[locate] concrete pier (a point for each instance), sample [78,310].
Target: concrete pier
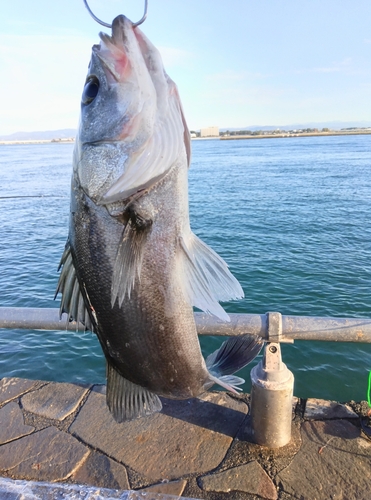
[63,434]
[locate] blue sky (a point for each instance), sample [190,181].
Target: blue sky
[236,63]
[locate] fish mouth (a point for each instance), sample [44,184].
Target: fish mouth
[114,49]
[119,38]
[119,26]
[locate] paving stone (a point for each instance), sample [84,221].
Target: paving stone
[319,409]
[12,423]
[100,470]
[11,388]
[47,455]
[249,478]
[56,400]
[333,462]
[170,488]
[186,437]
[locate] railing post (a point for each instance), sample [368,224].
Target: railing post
[272,392]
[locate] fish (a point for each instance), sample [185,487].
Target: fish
[132,269]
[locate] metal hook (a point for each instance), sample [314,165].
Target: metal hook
[110,25]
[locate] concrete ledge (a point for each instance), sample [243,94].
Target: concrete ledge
[319,409]
[17,490]
[199,448]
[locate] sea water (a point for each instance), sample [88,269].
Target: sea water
[290,216]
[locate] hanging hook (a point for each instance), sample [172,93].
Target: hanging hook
[110,25]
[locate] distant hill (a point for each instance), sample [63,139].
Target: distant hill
[40,135]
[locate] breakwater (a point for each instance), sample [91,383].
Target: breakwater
[200,448]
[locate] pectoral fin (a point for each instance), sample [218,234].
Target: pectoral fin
[129,256]
[207,277]
[128,401]
[72,302]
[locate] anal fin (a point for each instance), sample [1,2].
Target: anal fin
[128,401]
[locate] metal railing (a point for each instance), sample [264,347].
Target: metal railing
[272,382]
[287,329]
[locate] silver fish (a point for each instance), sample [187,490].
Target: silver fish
[132,268]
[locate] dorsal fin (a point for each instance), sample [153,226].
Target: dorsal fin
[72,301]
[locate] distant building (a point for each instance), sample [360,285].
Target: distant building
[210,132]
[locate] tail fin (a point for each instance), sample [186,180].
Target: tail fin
[234,354]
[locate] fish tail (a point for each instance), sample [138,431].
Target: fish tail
[234,354]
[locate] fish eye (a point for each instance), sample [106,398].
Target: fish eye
[90,90]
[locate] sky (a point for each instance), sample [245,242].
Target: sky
[237,63]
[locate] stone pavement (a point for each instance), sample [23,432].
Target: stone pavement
[63,434]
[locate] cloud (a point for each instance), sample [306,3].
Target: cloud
[335,67]
[233,76]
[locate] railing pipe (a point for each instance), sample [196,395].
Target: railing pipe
[293,327]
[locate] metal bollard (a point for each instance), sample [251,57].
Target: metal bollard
[271,395]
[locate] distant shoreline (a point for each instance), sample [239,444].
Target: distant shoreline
[37,141]
[222,138]
[301,134]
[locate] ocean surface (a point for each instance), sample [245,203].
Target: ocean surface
[290,216]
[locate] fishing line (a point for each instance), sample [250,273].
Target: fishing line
[368,395]
[31,196]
